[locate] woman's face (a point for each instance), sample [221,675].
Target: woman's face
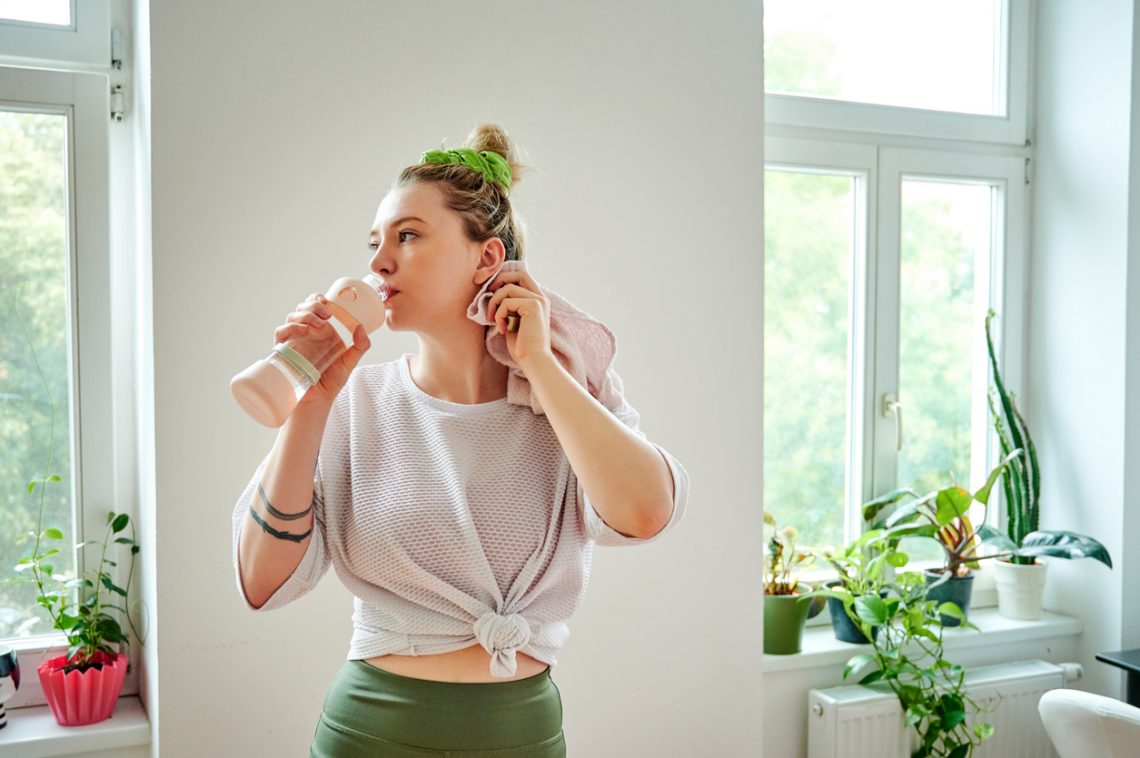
[422,253]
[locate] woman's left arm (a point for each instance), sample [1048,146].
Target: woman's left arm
[628,481]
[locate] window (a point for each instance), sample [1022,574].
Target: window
[55,252]
[953,70]
[65,35]
[53,12]
[883,253]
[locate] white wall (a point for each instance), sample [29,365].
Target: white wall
[1081,286]
[276,130]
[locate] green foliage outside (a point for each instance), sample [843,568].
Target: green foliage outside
[33,257]
[807,283]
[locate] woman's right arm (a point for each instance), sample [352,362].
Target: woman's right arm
[266,561]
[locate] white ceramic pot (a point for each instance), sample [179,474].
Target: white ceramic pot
[1019,589]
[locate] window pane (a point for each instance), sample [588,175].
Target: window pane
[34,259]
[934,55]
[37,11]
[809,238]
[946,240]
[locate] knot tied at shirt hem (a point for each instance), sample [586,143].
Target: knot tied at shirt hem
[502,636]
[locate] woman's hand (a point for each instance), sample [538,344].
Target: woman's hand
[310,320]
[517,292]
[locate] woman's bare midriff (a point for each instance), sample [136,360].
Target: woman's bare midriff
[471,664]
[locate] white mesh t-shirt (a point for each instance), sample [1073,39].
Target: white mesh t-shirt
[452,524]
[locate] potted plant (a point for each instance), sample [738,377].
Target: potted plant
[787,603]
[944,517]
[82,686]
[1020,574]
[861,569]
[907,657]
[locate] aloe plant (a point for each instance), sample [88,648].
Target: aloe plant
[1023,541]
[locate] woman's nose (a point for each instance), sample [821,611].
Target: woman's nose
[381,263]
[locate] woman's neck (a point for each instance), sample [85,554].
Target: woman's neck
[459,373]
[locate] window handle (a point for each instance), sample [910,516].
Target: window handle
[892,407]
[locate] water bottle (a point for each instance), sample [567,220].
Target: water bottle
[270,389]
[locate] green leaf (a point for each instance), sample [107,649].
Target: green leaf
[857,662]
[871,609]
[925,633]
[31,487]
[983,495]
[54,478]
[874,509]
[950,702]
[897,559]
[53,533]
[121,522]
[952,503]
[961,751]
[909,695]
[991,536]
[124,541]
[983,731]
[1063,544]
[874,676]
[952,610]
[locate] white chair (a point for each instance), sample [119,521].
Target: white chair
[1084,725]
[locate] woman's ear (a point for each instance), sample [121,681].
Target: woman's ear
[491,257]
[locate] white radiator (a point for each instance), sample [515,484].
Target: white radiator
[861,722]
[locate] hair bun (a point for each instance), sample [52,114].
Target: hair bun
[494,138]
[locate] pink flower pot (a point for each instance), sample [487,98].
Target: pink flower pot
[83,697]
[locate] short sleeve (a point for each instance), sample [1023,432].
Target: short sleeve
[314,563]
[601,532]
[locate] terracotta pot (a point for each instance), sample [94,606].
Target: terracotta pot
[1019,589]
[83,697]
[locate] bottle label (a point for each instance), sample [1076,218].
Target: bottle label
[299,362]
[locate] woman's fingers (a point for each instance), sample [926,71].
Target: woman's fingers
[285,331]
[513,291]
[307,317]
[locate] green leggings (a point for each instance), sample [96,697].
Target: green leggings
[369,713]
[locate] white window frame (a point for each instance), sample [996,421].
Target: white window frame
[1008,129]
[96,466]
[83,46]
[1006,278]
[860,162]
[873,343]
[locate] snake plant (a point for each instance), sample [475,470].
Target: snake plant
[1022,486]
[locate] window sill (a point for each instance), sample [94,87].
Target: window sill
[821,649]
[33,732]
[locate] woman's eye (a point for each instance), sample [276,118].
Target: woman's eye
[373,246]
[403,233]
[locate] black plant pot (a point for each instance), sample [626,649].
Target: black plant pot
[845,629]
[955,590]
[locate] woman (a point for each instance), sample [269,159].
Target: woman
[462,523]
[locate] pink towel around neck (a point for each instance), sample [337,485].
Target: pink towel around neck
[583,345]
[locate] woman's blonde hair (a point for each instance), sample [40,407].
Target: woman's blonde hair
[484,205]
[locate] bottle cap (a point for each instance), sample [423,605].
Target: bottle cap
[264,393]
[361,299]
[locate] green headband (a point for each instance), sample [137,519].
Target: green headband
[490,164]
